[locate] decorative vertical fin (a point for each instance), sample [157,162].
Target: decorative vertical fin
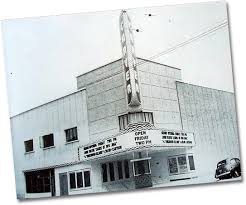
[129,60]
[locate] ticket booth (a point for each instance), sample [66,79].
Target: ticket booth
[142,172]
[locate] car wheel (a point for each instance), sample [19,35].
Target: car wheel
[236,174]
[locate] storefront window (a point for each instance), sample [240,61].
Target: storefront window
[79,179]
[119,168]
[111,171]
[114,171]
[72,180]
[104,173]
[173,165]
[39,181]
[181,164]
[126,167]
[87,178]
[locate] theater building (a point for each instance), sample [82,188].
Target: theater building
[131,124]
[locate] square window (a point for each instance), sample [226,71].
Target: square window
[28,145]
[48,140]
[71,134]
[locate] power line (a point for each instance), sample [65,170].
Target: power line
[184,43]
[191,40]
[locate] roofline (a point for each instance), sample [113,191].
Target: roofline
[178,81]
[98,67]
[77,91]
[158,63]
[85,88]
[120,59]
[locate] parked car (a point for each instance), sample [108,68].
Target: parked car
[228,168]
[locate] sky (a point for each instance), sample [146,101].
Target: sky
[43,55]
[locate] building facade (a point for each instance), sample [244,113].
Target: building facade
[131,124]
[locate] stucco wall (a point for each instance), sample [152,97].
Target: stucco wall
[106,96]
[159,94]
[211,115]
[54,117]
[106,99]
[160,167]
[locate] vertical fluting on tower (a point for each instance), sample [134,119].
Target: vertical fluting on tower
[129,60]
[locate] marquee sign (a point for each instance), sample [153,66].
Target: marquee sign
[135,140]
[129,60]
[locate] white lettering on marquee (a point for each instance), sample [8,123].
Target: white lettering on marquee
[135,140]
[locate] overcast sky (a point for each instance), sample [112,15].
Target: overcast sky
[43,55]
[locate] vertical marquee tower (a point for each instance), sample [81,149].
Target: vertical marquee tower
[129,60]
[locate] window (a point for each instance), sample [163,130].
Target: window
[191,162]
[48,140]
[119,169]
[79,179]
[173,165]
[72,180]
[114,171]
[39,181]
[87,178]
[104,173]
[28,145]
[223,162]
[125,120]
[111,171]
[141,167]
[126,168]
[181,164]
[71,134]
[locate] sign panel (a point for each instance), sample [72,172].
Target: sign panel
[134,140]
[129,60]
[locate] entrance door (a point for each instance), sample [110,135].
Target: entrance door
[63,184]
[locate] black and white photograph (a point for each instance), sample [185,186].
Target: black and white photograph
[121,100]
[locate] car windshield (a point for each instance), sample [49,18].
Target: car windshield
[221,163]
